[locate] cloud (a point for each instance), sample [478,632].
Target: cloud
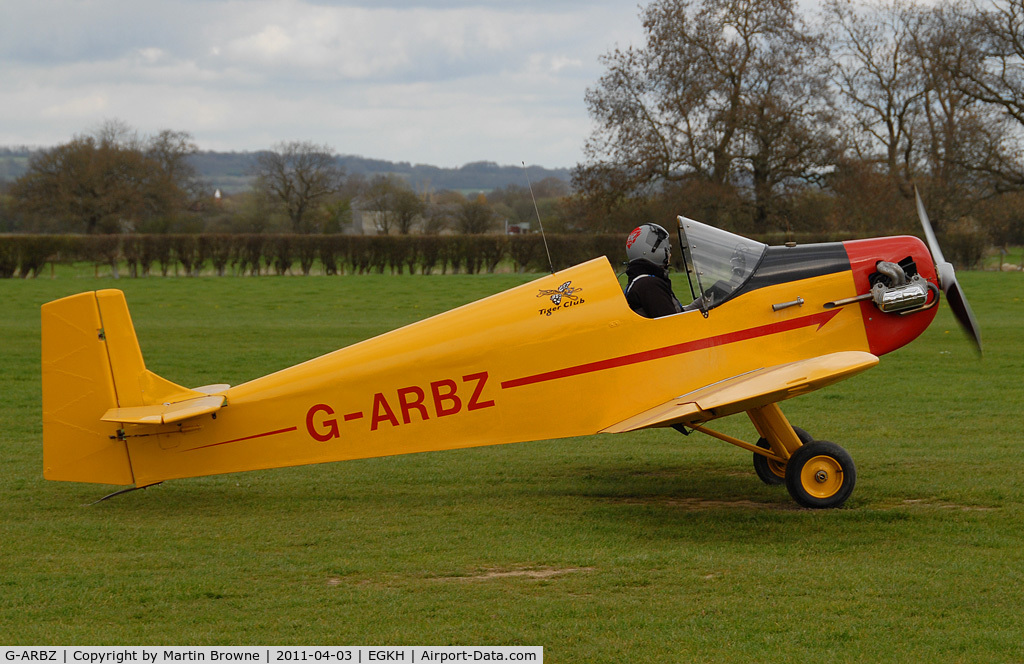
[446,82]
[360,43]
[86,106]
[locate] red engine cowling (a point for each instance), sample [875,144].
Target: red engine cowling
[888,331]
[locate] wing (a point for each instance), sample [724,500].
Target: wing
[750,390]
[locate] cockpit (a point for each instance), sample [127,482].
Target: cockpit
[718,263]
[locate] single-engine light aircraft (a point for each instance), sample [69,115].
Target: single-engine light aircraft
[561,356]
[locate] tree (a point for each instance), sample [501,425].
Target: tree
[880,80]
[300,176]
[475,216]
[408,207]
[396,204]
[516,202]
[997,77]
[725,91]
[989,69]
[902,72]
[8,217]
[967,145]
[442,211]
[173,150]
[109,182]
[786,135]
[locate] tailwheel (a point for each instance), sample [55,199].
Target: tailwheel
[820,475]
[770,471]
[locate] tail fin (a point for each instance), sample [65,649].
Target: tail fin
[78,387]
[92,364]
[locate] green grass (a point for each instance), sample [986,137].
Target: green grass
[1012,260]
[645,547]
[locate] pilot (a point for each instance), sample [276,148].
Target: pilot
[649,291]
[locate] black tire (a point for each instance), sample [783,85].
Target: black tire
[771,472]
[820,475]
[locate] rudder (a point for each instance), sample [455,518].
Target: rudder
[78,388]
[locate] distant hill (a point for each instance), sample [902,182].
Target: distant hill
[229,171]
[478,175]
[13,162]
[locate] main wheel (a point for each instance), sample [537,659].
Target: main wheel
[770,471]
[820,475]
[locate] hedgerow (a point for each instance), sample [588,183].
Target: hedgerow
[280,254]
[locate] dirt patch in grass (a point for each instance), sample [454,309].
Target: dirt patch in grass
[486,574]
[337,581]
[707,503]
[517,572]
[920,502]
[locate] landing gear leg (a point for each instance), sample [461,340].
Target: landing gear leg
[775,430]
[770,471]
[817,473]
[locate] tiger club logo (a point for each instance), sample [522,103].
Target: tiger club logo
[564,296]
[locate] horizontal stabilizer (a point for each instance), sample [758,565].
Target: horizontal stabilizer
[750,390]
[165,413]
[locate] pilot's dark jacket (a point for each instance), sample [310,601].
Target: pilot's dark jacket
[649,291]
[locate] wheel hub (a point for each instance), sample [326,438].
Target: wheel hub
[822,476]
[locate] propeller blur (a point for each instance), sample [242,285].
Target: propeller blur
[955,295]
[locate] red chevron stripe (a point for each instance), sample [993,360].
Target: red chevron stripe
[819,319]
[238,440]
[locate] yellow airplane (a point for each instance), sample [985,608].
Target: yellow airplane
[561,356]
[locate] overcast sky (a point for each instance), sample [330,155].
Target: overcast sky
[441,82]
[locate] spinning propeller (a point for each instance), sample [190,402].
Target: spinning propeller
[947,280]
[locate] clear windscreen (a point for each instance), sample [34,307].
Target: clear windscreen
[720,261]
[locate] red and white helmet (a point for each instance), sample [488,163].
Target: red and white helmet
[649,241]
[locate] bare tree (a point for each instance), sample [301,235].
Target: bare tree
[989,68]
[901,69]
[114,131]
[396,204]
[997,76]
[951,117]
[408,208]
[475,216]
[725,91]
[442,211]
[880,80]
[300,176]
[172,150]
[786,136]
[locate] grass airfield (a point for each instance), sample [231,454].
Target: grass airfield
[645,547]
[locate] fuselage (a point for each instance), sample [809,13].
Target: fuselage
[561,356]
